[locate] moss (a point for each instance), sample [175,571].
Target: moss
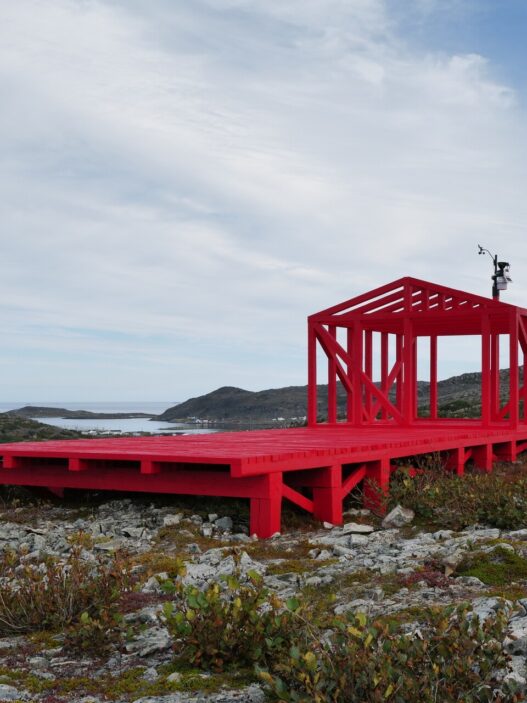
[128,685]
[512,593]
[44,640]
[263,550]
[159,562]
[25,679]
[413,613]
[497,568]
[176,538]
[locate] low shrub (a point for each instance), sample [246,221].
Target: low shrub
[450,658]
[497,499]
[60,596]
[237,624]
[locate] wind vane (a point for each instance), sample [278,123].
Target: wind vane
[501,277]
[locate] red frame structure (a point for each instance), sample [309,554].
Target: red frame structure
[400,313]
[316,467]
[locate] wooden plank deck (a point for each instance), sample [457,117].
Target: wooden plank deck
[314,467]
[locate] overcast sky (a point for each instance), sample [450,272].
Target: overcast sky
[183,182]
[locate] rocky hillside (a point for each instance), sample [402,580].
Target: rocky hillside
[14,428]
[459,395]
[230,403]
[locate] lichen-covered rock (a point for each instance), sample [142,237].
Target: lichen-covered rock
[398,517]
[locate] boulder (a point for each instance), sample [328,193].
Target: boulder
[398,517]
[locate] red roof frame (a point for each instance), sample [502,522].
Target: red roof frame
[406,309]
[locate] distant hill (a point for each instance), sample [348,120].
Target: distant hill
[41,411]
[229,403]
[14,428]
[457,396]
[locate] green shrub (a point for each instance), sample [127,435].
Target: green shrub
[95,634]
[59,596]
[452,658]
[498,499]
[237,625]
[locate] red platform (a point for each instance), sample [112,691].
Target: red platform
[313,467]
[317,466]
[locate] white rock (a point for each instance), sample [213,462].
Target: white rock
[398,517]
[135,532]
[172,520]
[151,586]
[112,546]
[206,529]
[156,639]
[340,551]
[357,528]
[517,673]
[10,693]
[150,674]
[486,607]
[470,581]
[357,540]
[483,532]
[452,561]
[442,534]
[516,640]
[363,512]
[224,524]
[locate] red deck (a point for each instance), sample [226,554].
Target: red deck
[316,467]
[313,467]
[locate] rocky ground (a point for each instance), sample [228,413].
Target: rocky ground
[389,568]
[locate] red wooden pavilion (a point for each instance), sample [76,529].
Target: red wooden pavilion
[401,313]
[317,466]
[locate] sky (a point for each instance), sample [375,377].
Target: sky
[183,182]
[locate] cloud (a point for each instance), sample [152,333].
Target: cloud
[184,182]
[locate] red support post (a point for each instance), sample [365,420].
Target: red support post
[327,494]
[483,457]
[514,395]
[408,385]
[399,386]
[456,460]
[433,377]
[495,401]
[485,370]
[368,369]
[332,382]
[357,368]
[377,484]
[266,509]
[384,369]
[506,451]
[349,397]
[414,377]
[312,410]
[524,388]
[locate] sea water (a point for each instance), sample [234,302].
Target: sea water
[140,424]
